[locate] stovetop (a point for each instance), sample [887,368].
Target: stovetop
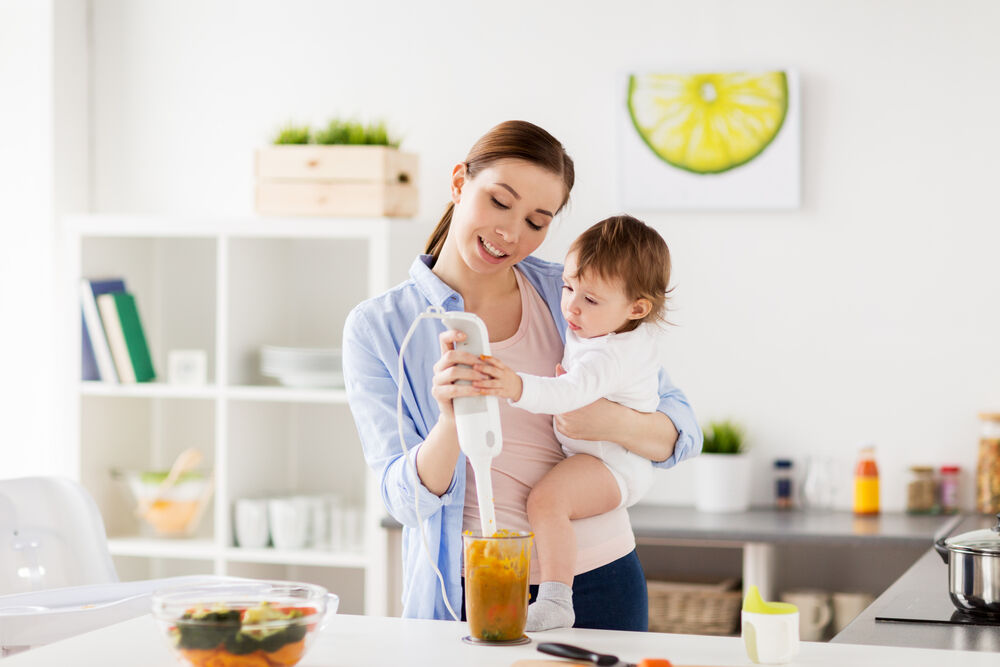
[929,608]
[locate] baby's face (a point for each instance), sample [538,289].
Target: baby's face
[591,305]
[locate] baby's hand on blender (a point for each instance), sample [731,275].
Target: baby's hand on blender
[504,383]
[452,367]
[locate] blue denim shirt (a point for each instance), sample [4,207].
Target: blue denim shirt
[373,334]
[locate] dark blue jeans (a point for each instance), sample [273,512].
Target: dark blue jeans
[612,597]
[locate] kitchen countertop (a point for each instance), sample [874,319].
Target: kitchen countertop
[372,640]
[772,526]
[928,576]
[785,526]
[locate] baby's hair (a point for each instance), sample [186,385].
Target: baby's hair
[625,248]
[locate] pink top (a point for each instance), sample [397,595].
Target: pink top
[530,447]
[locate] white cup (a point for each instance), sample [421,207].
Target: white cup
[814,612]
[336,527]
[846,606]
[353,529]
[770,639]
[319,522]
[289,519]
[250,523]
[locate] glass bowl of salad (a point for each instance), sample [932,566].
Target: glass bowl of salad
[243,623]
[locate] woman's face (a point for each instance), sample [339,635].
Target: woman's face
[503,213]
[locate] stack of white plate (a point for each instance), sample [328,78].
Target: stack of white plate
[302,366]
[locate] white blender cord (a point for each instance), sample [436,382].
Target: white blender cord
[432,312]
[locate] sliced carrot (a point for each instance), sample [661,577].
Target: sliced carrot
[225,659]
[287,655]
[198,657]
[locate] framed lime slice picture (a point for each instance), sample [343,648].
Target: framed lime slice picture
[721,139]
[708,123]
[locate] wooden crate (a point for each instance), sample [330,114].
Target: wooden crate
[364,181]
[336,163]
[336,199]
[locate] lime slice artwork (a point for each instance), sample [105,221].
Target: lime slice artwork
[708,123]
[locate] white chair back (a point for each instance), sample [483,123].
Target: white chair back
[51,536]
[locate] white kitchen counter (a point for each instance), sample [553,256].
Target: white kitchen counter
[355,641]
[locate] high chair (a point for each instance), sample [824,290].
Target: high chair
[56,575]
[51,536]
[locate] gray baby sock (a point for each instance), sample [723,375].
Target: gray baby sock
[552,608]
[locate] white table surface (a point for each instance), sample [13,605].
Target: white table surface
[353,641]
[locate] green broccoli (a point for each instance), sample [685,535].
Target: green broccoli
[256,633]
[206,629]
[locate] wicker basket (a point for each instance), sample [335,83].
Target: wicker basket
[695,608]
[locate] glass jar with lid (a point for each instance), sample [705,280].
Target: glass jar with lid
[920,490]
[988,464]
[948,488]
[783,483]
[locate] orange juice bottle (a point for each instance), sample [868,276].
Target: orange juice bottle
[866,482]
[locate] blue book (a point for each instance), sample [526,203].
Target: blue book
[94,328]
[88,362]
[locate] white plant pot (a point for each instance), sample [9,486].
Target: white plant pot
[722,482]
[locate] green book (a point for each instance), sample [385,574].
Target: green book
[125,337]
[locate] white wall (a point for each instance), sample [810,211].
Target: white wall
[869,313]
[43,174]
[26,225]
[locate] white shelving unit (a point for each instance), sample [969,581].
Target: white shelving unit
[229,286]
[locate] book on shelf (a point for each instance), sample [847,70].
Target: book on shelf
[88,363]
[125,337]
[96,355]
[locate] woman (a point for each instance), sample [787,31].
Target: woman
[504,197]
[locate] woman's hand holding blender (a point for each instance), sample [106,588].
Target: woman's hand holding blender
[439,452]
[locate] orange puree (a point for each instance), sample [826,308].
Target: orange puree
[496,585]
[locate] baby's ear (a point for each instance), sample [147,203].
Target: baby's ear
[640,308]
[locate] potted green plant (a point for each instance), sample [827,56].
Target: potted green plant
[292,135]
[346,168]
[723,469]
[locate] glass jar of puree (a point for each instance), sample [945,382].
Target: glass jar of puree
[496,585]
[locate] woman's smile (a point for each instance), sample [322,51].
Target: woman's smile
[492,252]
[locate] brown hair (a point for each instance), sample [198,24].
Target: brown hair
[515,139]
[625,248]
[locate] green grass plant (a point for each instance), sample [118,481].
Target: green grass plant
[354,133]
[293,134]
[723,437]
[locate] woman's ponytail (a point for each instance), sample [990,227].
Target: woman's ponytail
[440,233]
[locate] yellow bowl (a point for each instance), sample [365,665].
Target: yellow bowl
[178,510]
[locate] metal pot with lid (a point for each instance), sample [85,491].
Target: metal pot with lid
[973,560]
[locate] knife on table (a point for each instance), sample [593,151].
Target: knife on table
[599,659]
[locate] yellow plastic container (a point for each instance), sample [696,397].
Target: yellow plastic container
[866,491]
[770,630]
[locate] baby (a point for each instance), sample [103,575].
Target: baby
[614,291]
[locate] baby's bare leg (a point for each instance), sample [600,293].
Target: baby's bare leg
[578,487]
[575,488]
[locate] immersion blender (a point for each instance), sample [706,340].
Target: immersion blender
[477,418]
